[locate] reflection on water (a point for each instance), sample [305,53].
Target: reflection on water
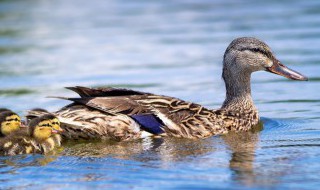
[173,48]
[21,161]
[163,151]
[243,150]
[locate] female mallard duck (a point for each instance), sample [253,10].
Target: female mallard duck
[9,121]
[123,114]
[40,138]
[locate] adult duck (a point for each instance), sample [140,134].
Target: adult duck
[124,114]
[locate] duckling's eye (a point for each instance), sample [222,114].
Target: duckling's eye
[13,119]
[45,125]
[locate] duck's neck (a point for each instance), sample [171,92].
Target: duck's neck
[238,92]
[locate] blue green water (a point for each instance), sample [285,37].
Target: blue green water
[173,48]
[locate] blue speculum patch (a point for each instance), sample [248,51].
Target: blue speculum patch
[149,123]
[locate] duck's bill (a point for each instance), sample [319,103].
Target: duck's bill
[280,69]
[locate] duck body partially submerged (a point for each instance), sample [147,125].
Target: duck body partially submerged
[123,114]
[125,117]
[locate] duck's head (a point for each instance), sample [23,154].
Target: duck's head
[246,55]
[10,122]
[43,127]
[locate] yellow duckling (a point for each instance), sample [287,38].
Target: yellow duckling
[55,124]
[40,138]
[9,121]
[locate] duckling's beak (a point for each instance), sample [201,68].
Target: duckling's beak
[280,69]
[57,130]
[23,125]
[60,130]
[53,131]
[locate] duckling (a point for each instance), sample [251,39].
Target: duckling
[10,122]
[39,138]
[55,123]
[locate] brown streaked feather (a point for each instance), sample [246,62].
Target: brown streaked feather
[83,122]
[181,118]
[103,92]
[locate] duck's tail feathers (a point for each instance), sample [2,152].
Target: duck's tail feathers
[34,113]
[60,97]
[82,91]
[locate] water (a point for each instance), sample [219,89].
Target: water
[173,48]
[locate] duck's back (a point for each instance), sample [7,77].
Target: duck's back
[125,114]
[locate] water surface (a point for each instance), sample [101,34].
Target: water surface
[173,48]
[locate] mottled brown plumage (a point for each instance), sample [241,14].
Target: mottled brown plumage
[109,113]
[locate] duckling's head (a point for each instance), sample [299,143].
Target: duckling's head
[41,128]
[38,110]
[10,122]
[246,55]
[4,109]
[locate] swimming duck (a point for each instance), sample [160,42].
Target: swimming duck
[9,121]
[41,137]
[124,114]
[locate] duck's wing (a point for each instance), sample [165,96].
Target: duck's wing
[103,92]
[111,105]
[131,102]
[154,113]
